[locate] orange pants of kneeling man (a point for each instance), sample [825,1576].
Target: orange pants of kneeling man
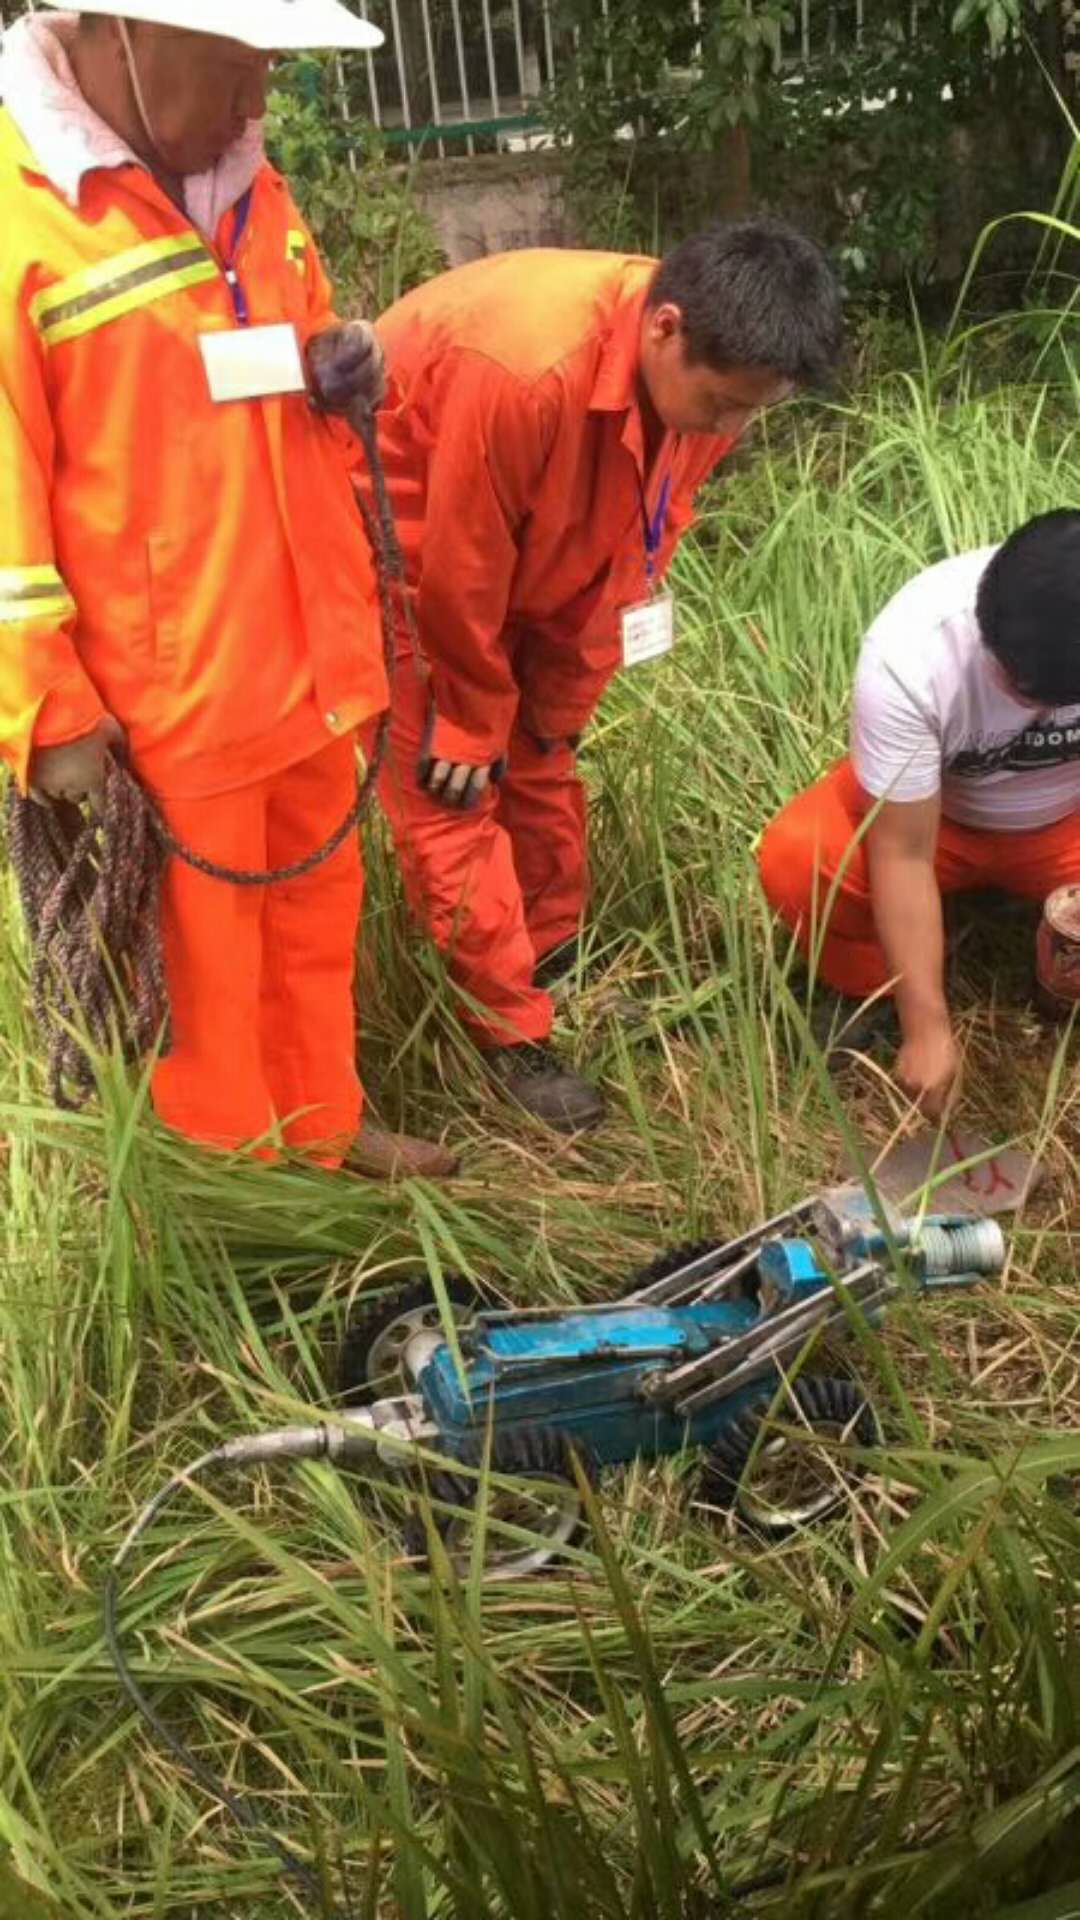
[810,849]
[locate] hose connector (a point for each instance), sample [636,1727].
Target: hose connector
[351,1440]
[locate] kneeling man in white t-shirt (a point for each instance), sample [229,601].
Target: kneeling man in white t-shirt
[966,735]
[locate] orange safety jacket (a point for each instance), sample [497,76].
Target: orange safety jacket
[514,450]
[197,569]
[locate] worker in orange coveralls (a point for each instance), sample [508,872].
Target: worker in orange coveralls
[182,567]
[550,417]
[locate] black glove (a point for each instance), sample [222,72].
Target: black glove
[548,745]
[345,366]
[458,783]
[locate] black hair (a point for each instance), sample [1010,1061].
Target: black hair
[1028,607]
[755,293]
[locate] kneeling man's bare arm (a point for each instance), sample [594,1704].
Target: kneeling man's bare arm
[901,847]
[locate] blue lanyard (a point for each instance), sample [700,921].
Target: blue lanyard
[653,530]
[239,297]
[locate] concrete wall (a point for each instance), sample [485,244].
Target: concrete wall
[494,203]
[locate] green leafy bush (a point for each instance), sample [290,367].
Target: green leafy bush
[362,211]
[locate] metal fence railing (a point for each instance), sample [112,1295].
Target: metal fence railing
[457,74]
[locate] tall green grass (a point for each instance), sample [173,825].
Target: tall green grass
[883,1718]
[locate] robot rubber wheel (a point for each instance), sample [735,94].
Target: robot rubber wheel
[546,1501]
[380,1330]
[790,1482]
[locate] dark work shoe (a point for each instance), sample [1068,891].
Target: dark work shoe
[556,966]
[537,1079]
[840,1024]
[558,972]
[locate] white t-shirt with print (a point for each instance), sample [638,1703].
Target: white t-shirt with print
[930,714]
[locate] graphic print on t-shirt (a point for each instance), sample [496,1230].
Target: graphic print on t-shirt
[1039,745]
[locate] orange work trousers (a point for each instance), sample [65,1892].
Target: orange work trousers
[261,978]
[498,885]
[811,842]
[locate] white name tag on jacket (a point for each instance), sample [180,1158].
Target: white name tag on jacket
[648,629]
[247,363]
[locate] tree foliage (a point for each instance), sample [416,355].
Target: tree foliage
[651,95]
[362,211]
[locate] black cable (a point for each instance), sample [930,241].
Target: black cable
[338,1443]
[226,1455]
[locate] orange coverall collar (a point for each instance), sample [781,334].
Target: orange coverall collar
[615,389]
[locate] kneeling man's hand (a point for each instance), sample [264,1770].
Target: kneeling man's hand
[928,1067]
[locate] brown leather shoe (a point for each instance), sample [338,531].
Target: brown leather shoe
[380,1155]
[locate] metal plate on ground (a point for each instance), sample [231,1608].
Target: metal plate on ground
[1000,1182]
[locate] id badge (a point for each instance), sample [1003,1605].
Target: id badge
[648,629]
[247,363]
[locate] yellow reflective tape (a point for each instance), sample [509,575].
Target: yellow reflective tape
[48,606]
[85,314]
[113,287]
[113,307]
[104,275]
[295,241]
[13,580]
[33,593]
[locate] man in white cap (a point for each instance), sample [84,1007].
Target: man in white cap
[182,569]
